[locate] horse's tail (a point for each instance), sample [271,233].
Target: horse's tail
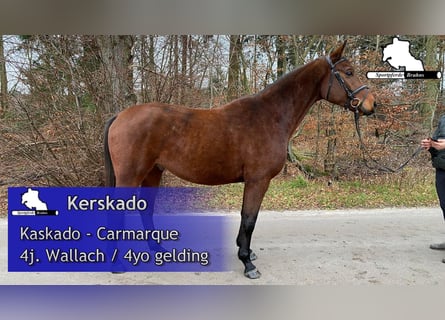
[110,178]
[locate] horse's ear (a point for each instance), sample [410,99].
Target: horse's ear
[337,53]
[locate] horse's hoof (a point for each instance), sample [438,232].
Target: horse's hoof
[253,256]
[118,268]
[253,274]
[117,272]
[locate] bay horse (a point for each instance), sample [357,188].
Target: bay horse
[243,141]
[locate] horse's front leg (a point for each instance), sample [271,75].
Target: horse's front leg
[253,196]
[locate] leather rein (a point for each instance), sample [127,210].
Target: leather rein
[354,104]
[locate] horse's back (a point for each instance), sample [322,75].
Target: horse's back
[206,146]
[194,144]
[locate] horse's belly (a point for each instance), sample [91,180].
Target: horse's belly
[209,180]
[209,174]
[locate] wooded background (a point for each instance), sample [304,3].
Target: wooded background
[57,92]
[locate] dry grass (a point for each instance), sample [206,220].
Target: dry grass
[299,194]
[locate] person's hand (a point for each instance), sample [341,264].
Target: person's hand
[439,144]
[426,143]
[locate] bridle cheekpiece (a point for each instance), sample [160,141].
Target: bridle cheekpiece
[353,102]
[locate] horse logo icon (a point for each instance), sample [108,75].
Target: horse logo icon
[399,56]
[404,65]
[32,201]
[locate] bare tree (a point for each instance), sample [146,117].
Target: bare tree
[234,82]
[431,98]
[3,80]
[116,54]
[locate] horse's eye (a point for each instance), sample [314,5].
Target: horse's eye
[349,73]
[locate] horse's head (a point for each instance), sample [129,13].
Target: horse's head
[342,87]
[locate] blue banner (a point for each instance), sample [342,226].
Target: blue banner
[112,229]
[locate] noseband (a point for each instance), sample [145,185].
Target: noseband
[353,102]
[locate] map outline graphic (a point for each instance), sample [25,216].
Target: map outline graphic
[399,56]
[32,201]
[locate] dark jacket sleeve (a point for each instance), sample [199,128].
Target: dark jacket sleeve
[434,152]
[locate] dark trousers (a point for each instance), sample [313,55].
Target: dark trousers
[440,188]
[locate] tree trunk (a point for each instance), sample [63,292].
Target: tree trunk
[117,59]
[281,56]
[234,84]
[3,80]
[148,68]
[330,161]
[184,46]
[428,107]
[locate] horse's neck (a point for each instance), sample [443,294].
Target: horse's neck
[290,98]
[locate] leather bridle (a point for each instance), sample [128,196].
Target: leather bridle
[353,103]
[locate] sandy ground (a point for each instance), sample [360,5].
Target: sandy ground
[340,247]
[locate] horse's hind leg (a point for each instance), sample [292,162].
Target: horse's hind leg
[253,196]
[152,179]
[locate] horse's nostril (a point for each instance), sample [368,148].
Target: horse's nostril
[375,104]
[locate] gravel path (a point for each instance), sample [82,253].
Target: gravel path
[340,247]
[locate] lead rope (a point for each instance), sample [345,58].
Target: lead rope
[366,152]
